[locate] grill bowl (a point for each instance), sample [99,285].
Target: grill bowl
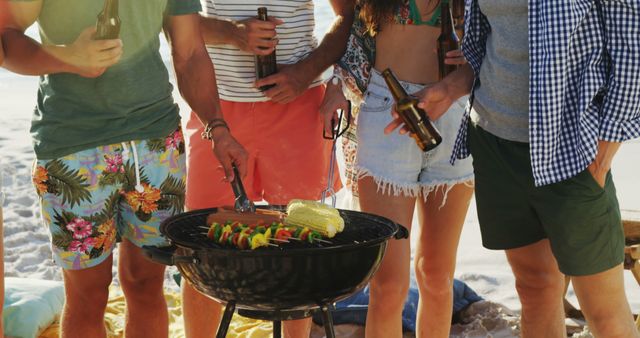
[293,277]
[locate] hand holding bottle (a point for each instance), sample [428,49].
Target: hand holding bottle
[455,57]
[434,100]
[89,57]
[256,36]
[437,99]
[287,84]
[415,118]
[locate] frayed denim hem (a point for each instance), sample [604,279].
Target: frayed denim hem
[413,189]
[446,186]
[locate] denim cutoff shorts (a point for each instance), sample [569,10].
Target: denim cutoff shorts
[394,161]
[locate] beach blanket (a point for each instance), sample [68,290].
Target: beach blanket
[353,310]
[240,327]
[114,320]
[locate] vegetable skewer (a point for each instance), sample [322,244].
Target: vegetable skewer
[254,236]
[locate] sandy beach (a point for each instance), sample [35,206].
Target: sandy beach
[27,252]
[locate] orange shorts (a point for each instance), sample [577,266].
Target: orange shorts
[288,158]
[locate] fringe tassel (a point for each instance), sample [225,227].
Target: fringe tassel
[385,186]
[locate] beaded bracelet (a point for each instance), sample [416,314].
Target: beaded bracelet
[207,133]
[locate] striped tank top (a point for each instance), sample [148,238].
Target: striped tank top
[235,69]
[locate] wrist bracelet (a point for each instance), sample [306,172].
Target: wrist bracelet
[335,80]
[207,133]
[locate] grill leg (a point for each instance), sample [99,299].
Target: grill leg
[277,329]
[226,319]
[327,321]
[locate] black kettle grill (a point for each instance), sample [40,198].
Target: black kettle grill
[277,283]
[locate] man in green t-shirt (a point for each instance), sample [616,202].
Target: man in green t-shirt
[109,146]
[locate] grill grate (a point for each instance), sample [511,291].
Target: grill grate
[360,229]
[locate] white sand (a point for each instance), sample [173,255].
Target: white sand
[26,241]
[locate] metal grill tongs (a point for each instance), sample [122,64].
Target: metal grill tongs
[242,203]
[336,132]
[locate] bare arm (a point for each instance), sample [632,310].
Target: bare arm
[292,81]
[334,43]
[197,85]
[249,35]
[194,71]
[23,55]
[218,32]
[601,165]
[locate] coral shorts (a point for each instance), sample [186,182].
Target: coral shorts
[288,158]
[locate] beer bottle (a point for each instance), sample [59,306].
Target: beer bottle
[457,12]
[108,24]
[447,41]
[265,64]
[422,130]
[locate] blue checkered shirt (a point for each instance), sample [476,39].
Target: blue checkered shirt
[584,82]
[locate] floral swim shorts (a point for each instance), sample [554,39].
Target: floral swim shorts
[126,189]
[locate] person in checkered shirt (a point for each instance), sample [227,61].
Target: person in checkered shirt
[556,90]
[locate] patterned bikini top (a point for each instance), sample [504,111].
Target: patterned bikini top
[409,14]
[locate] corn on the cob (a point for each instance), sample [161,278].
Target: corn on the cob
[316,216]
[317,206]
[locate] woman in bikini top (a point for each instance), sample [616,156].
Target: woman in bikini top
[401,35]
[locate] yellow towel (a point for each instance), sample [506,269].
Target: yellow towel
[114,320]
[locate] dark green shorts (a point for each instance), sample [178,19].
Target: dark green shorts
[580,219]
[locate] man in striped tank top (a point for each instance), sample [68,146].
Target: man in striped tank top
[281,128]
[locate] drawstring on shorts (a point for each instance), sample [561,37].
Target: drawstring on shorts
[136,162]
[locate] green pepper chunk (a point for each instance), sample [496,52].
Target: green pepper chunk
[217,232]
[312,237]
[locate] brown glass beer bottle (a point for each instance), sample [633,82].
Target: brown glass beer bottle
[265,64]
[447,41]
[108,24]
[457,13]
[422,130]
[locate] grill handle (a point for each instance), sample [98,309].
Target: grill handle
[166,255]
[402,232]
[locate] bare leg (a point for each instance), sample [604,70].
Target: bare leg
[540,285]
[142,282]
[297,328]
[202,315]
[435,258]
[86,294]
[604,303]
[389,286]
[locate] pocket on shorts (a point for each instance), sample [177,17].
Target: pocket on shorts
[376,103]
[588,180]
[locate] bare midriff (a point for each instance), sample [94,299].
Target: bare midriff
[410,52]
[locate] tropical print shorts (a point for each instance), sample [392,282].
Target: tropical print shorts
[90,197]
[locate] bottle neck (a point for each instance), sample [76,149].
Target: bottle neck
[457,8]
[394,85]
[446,21]
[262,14]
[110,8]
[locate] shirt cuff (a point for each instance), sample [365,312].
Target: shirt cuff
[619,130]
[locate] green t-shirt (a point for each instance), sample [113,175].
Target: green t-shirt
[132,100]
